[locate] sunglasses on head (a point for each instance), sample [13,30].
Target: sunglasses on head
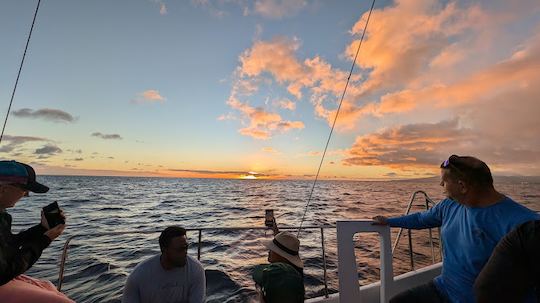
[451,161]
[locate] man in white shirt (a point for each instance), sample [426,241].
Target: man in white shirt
[171,277]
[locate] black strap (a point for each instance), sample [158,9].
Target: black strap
[287,250]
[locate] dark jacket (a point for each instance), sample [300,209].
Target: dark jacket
[19,252]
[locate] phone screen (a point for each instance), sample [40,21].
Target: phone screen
[52,214]
[268,218]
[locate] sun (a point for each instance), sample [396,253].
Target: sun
[248,177]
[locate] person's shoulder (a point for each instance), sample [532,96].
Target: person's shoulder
[145,265]
[195,264]
[448,203]
[509,204]
[193,261]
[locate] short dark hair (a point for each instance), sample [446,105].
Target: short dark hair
[469,169]
[169,233]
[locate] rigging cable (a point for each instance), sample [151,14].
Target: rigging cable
[20,69]
[335,119]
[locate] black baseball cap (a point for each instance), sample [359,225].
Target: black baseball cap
[14,172]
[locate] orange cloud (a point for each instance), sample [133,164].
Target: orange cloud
[270,150]
[410,145]
[286,104]
[262,123]
[149,96]
[518,72]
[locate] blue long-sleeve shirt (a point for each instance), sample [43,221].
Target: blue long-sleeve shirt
[469,235]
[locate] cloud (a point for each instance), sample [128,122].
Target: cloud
[270,150]
[275,60]
[225,117]
[213,8]
[286,104]
[277,9]
[423,144]
[337,152]
[49,114]
[12,143]
[107,136]
[149,96]
[75,159]
[47,151]
[426,145]
[517,73]
[162,9]
[262,124]
[270,9]
[222,173]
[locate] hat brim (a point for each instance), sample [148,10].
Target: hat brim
[295,260]
[36,187]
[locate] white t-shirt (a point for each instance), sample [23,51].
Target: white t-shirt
[151,283]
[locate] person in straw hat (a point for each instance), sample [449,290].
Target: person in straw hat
[283,279]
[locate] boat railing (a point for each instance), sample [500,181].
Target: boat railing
[428,203]
[65,250]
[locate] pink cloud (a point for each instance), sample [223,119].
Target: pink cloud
[262,124]
[149,96]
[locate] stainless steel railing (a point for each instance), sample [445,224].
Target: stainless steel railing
[65,250]
[428,202]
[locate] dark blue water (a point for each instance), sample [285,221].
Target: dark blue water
[98,264]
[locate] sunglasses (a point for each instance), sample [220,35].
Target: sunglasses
[446,163]
[451,161]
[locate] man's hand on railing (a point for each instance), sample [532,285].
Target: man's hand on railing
[379,220]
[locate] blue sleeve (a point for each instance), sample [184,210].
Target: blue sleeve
[427,219]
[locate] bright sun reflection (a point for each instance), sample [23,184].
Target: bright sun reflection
[248,177]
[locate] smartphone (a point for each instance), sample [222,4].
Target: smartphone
[52,214]
[269,217]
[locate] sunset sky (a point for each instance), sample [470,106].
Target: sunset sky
[236,88]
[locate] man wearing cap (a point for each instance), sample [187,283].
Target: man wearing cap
[473,219]
[20,251]
[283,279]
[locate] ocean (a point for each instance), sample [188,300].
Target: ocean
[117,221]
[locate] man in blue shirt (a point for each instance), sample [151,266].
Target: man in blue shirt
[473,219]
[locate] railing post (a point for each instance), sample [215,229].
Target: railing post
[63,259]
[324,264]
[411,256]
[347,267]
[199,246]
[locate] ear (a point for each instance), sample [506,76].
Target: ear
[463,187]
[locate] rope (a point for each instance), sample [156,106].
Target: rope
[335,119]
[20,69]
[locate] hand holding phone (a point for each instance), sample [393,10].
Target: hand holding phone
[269,218]
[53,215]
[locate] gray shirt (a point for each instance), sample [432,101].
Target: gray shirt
[151,283]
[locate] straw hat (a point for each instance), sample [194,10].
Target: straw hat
[286,245]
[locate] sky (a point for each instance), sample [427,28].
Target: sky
[250,89]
